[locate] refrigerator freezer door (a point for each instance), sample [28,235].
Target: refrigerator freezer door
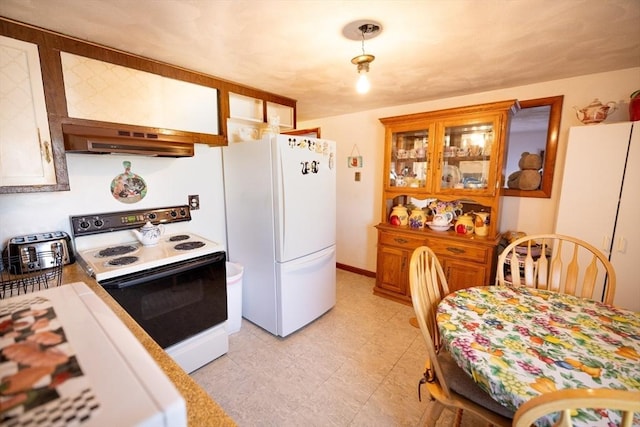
[307,289]
[305,195]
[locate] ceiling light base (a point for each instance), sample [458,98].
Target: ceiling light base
[366,28]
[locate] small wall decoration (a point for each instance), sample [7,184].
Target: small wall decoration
[128,187]
[355,159]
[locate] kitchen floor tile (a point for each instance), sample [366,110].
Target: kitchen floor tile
[357,365]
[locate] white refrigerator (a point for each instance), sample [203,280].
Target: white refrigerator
[280,196]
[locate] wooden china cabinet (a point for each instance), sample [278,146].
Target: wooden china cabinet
[453,155]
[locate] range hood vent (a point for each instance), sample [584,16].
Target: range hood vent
[99,140]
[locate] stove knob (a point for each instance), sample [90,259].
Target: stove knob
[152,216]
[173,214]
[183,212]
[98,223]
[84,224]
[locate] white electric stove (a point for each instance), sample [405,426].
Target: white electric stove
[175,289]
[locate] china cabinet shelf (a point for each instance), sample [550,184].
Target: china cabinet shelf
[448,155]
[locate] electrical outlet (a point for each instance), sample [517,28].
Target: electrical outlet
[194,202]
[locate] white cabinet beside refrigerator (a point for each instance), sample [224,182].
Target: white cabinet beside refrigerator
[599,199]
[281,227]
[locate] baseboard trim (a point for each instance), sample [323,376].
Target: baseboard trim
[356,270]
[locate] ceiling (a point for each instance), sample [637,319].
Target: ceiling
[428,49]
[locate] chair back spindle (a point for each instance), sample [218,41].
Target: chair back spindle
[564,264]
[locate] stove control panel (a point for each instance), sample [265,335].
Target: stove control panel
[84,225]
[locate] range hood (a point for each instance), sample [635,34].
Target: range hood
[111,140]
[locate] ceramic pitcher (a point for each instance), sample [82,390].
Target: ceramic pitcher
[481,223]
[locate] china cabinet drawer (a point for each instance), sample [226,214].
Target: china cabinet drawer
[453,249]
[400,240]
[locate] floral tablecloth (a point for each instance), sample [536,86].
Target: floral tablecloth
[517,343]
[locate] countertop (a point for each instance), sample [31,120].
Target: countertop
[202,411]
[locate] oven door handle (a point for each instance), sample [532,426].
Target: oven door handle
[160,272]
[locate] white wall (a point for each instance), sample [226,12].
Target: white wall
[169,182]
[359,203]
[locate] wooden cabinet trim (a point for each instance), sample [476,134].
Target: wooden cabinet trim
[50,44]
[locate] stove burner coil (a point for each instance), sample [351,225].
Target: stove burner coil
[116,250]
[187,246]
[178,238]
[123,260]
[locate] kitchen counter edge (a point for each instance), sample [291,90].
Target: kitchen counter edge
[202,410]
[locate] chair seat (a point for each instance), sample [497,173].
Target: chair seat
[464,385]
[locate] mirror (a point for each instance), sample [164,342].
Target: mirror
[534,129]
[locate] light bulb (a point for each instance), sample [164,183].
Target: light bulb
[363,84]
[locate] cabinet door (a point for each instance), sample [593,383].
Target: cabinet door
[591,183]
[393,264]
[625,251]
[467,158]
[462,274]
[408,159]
[99,90]
[26,157]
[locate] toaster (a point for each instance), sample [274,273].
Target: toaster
[35,252]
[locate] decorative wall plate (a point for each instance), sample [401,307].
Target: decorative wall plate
[128,187]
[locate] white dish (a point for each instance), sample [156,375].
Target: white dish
[438,227]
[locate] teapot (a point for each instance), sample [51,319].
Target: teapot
[595,112]
[149,234]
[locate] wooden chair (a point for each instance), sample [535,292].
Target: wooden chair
[446,383]
[558,267]
[567,400]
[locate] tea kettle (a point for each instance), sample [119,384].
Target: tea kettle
[595,112]
[149,234]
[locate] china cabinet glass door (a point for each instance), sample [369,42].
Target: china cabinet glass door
[409,159]
[465,157]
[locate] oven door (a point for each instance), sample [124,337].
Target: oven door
[177,301]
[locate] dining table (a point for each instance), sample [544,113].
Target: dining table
[519,342]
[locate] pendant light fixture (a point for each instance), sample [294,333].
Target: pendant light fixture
[367,30]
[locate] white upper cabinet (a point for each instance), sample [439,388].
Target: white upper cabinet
[98,90]
[283,112]
[26,156]
[245,108]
